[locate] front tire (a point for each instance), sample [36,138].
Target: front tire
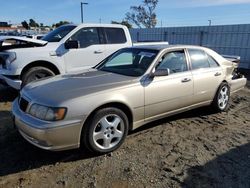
[222,97]
[106,130]
[36,73]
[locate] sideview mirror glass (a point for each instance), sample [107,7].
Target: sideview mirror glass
[161,72]
[71,44]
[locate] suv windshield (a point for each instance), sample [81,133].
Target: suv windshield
[129,61]
[59,33]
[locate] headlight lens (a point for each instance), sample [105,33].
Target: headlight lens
[11,58]
[7,58]
[47,113]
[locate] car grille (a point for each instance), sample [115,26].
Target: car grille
[2,62]
[23,104]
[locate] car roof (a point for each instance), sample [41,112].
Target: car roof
[165,46]
[96,25]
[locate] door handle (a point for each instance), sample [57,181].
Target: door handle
[186,80]
[98,51]
[217,74]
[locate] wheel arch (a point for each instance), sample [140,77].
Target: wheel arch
[40,63]
[223,81]
[118,105]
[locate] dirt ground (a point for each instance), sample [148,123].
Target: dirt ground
[193,149]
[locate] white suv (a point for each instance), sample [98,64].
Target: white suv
[67,49]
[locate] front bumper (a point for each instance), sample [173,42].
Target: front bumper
[16,84]
[11,78]
[54,136]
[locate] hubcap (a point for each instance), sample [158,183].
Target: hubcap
[108,131]
[223,97]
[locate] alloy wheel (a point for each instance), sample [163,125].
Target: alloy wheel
[223,97]
[108,132]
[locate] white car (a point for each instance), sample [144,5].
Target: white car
[67,49]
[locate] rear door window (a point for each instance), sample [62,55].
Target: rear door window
[198,59]
[212,62]
[115,35]
[87,37]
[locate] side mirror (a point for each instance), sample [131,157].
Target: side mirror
[161,72]
[71,44]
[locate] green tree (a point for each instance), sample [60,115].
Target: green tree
[143,15]
[25,24]
[33,23]
[124,22]
[60,24]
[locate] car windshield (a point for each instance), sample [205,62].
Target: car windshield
[129,61]
[58,34]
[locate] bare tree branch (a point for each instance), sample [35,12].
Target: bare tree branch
[143,15]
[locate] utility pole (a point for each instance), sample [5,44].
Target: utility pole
[210,22]
[82,3]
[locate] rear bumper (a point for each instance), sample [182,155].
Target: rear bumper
[238,84]
[16,84]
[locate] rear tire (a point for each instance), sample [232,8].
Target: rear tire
[36,73]
[221,99]
[105,131]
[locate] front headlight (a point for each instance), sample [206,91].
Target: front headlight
[7,58]
[47,113]
[11,57]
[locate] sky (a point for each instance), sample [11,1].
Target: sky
[169,12]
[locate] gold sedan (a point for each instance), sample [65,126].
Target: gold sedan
[133,86]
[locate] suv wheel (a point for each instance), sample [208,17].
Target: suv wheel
[36,73]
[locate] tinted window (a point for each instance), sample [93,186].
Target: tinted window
[86,37]
[129,61]
[125,58]
[174,61]
[59,33]
[212,62]
[115,35]
[198,59]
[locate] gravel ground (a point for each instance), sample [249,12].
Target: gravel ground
[194,149]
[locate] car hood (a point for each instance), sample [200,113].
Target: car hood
[11,42]
[61,88]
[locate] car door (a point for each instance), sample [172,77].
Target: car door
[207,75]
[91,50]
[169,93]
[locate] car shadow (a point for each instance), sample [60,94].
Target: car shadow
[7,94]
[231,169]
[18,155]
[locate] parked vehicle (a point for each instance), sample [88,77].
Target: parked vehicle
[37,36]
[134,86]
[65,50]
